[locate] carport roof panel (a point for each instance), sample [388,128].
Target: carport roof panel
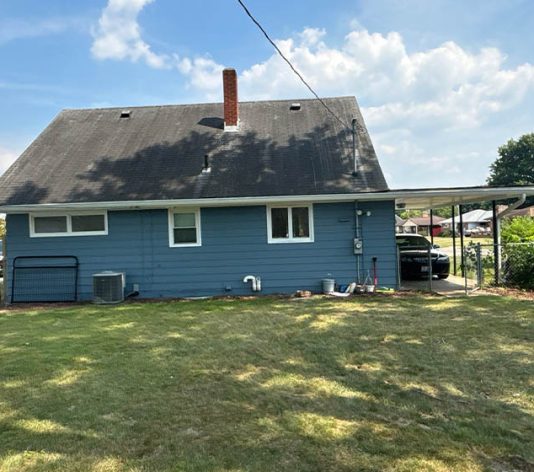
[442,197]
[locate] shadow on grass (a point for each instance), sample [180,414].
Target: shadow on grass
[268,385]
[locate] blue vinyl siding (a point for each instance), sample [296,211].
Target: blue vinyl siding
[234,244]
[378,232]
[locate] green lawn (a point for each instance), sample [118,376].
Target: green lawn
[379,383]
[447,242]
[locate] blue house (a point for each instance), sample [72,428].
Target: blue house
[188,200]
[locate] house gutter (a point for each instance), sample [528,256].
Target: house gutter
[465,195]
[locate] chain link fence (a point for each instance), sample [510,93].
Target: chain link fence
[507,264]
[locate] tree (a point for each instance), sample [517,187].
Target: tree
[445,212]
[2,228]
[406,214]
[515,164]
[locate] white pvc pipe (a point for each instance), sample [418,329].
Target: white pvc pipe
[254,280]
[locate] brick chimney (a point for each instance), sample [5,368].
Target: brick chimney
[231,104]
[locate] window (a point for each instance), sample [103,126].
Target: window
[76,224]
[293,224]
[50,224]
[88,223]
[184,228]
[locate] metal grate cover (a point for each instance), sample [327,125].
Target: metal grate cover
[44,279]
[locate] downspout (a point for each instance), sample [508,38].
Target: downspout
[500,216]
[513,206]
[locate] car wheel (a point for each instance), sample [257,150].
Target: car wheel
[443,276]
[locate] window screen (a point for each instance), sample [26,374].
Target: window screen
[50,224]
[301,222]
[279,222]
[185,230]
[88,223]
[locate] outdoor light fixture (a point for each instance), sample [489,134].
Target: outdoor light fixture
[363,212]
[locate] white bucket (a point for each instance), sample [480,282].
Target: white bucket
[329,285]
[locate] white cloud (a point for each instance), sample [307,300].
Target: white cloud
[447,84]
[203,74]
[118,35]
[436,116]
[7,157]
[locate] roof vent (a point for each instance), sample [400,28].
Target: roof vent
[295,107]
[125,114]
[206,167]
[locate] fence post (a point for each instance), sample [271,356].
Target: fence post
[462,262]
[399,276]
[454,239]
[480,273]
[464,272]
[5,268]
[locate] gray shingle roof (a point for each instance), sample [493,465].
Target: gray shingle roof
[158,154]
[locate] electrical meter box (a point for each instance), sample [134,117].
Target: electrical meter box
[358,246]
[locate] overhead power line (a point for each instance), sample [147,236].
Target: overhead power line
[298,74]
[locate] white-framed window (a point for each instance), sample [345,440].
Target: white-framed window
[184,227]
[91,223]
[290,224]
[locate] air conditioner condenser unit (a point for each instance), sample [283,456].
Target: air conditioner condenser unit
[108,287]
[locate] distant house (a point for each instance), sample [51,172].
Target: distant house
[399,222]
[422,225]
[527,211]
[473,221]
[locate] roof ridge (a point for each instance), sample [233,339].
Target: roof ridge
[246,102]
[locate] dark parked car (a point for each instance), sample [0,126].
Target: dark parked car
[414,263]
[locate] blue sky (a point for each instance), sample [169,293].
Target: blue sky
[441,83]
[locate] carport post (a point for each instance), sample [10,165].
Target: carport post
[430,269]
[454,239]
[462,256]
[496,247]
[432,226]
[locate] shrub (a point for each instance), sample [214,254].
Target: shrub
[518,230]
[519,265]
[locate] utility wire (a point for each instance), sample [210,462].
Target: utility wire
[257,23]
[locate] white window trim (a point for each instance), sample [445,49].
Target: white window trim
[196,211]
[69,231]
[290,239]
